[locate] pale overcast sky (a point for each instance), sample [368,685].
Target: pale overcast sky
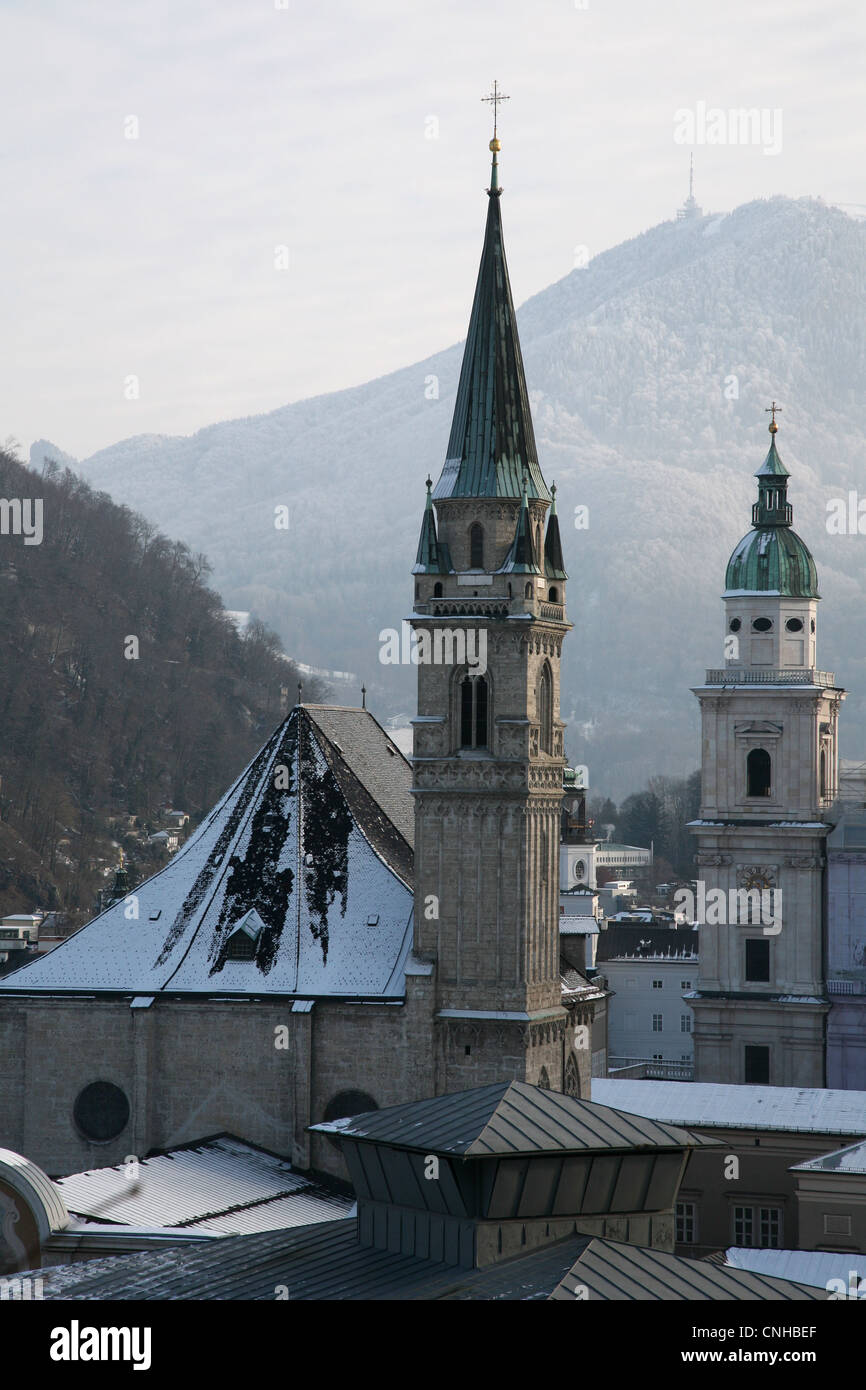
[307,127]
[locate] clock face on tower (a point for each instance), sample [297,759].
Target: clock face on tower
[756,876]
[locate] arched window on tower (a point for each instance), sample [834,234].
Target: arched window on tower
[476,547]
[437,590]
[758,772]
[545,708]
[553,596]
[822,774]
[474,712]
[527,592]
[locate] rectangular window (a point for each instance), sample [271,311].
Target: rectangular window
[771,1228]
[686,1223]
[757,1066]
[685,984]
[657,984]
[685,1023]
[657,1023]
[758,958]
[743,1227]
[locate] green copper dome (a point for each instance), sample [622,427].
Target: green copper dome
[772,559]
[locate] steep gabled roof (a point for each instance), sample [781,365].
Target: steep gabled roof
[509,1117]
[313,837]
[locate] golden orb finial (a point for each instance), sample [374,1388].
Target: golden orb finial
[495,146]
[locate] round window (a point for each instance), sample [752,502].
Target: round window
[735,625]
[794,625]
[345,1104]
[762,625]
[101,1111]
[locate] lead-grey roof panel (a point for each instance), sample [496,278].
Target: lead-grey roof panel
[607,1270]
[509,1118]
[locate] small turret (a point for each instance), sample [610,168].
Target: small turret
[554,565]
[428,559]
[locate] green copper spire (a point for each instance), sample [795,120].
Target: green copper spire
[492,441]
[429,557]
[772,559]
[521,558]
[554,566]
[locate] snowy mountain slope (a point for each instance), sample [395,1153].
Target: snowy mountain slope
[649,372]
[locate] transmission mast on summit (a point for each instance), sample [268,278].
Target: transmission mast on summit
[690,207]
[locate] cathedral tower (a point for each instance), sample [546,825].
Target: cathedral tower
[769,776]
[489,619]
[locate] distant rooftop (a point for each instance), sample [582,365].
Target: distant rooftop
[848,1160]
[812,1267]
[707,1104]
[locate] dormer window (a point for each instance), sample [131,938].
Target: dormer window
[244,939]
[240,947]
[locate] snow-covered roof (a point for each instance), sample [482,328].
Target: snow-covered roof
[221,1186]
[849,1160]
[813,1267]
[583,925]
[310,838]
[705,1103]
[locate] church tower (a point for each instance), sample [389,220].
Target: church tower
[488,620]
[769,776]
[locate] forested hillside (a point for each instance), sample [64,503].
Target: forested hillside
[124,690]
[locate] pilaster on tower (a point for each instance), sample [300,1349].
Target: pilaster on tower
[488,739]
[769,719]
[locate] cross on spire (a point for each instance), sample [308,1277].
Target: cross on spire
[495,97]
[773,410]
